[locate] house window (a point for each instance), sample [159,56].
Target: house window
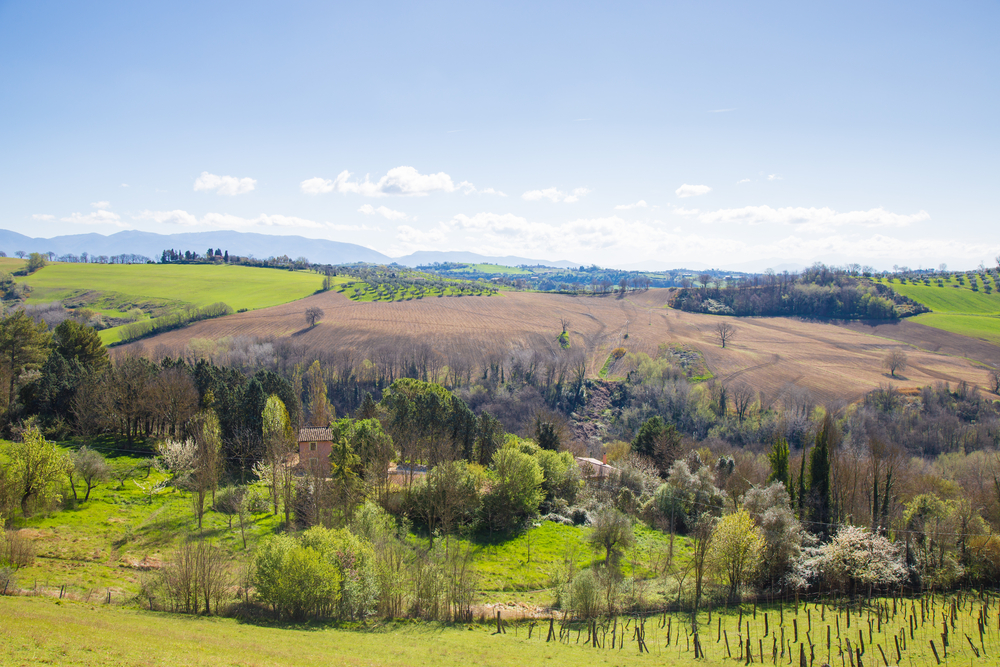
[312,446]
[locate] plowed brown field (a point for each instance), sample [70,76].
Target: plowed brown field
[832,361]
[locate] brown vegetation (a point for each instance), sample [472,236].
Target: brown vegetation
[832,362]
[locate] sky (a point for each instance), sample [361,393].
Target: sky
[657,134]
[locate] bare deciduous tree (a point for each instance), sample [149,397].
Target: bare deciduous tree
[894,360]
[725,332]
[314,315]
[742,395]
[995,381]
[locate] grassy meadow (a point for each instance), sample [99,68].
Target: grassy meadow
[956,307]
[887,632]
[43,631]
[158,289]
[122,530]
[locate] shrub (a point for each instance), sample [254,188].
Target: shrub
[322,573]
[295,581]
[516,489]
[585,595]
[16,551]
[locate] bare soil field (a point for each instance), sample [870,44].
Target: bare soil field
[833,362]
[931,339]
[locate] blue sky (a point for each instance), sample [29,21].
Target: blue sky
[614,133]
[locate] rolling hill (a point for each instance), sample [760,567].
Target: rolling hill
[115,289]
[771,354]
[956,308]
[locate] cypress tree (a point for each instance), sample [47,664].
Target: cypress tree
[778,457]
[819,475]
[801,495]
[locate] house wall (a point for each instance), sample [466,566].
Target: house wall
[321,455]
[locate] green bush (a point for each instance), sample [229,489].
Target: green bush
[323,573]
[294,580]
[585,595]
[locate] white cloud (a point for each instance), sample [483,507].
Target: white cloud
[743,180]
[384,211]
[625,207]
[774,177]
[98,217]
[405,181]
[42,216]
[101,204]
[808,219]
[554,195]
[721,110]
[224,185]
[470,189]
[124,185]
[692,190]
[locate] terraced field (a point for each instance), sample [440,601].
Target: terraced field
[833,362]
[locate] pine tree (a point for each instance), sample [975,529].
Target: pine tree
[368,409]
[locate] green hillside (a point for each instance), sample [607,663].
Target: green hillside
[956,307]
[952,298]
[113,290]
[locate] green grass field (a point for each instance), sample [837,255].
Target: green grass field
[195,284]
[952,298]
[38,630]
[42,631]
[956,308]
[158,289]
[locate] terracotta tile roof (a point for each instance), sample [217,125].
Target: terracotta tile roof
[314,434]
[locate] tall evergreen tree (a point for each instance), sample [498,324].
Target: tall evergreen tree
[801,495]
[24,345]
[778,458]
[820,505]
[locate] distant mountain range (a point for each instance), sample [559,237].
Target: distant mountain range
[152,245]
[316,250]
[244,244]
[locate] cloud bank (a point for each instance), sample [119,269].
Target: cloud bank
[399,181]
